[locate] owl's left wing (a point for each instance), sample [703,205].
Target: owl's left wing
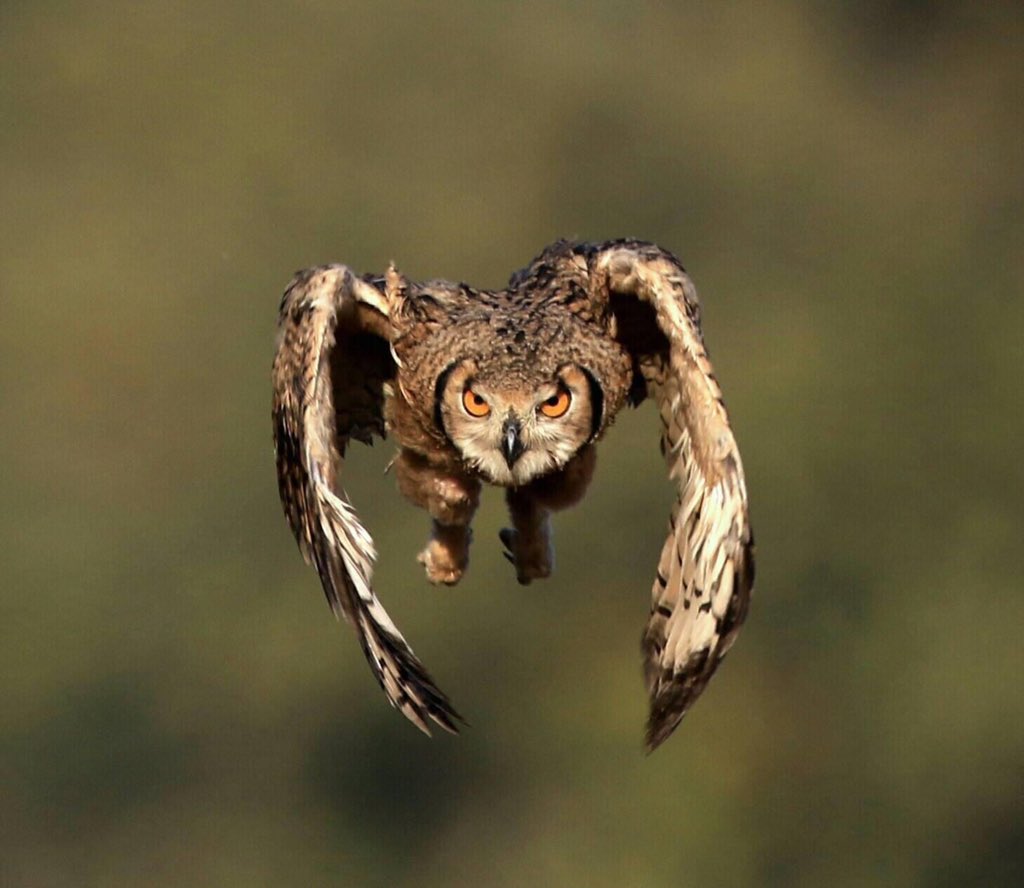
[333,359]
[706,571]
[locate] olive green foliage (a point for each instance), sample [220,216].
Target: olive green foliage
[845,183]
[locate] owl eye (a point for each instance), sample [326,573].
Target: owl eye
[556,405]
[474,404]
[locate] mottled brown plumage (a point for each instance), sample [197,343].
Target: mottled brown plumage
[512,387]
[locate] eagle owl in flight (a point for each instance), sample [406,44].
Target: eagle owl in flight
[512,387]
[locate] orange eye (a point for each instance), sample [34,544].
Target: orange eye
[556,405]
[474,404]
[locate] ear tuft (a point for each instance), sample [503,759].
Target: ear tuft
[395,284]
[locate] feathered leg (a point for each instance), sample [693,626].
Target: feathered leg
[451,499]
[528,540]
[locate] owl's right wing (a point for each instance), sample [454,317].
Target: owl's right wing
[333,360]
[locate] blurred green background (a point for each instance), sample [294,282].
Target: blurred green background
[845,183]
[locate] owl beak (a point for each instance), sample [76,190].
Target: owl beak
[511,444]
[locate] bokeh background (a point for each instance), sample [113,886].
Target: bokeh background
[844,181]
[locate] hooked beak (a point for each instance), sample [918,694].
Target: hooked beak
[511,445]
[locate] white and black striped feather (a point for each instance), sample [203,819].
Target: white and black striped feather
[705,574]
[311,432]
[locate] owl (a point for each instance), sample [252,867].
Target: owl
[513,388]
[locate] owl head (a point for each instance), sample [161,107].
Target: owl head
[515,427]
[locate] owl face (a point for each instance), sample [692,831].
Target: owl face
[512,433]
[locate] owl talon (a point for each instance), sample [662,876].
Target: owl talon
[442,565]
[531,556]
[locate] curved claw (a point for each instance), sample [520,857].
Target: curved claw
[508,537]
[531,557]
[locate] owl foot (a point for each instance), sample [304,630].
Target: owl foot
[532,556]
[446,555]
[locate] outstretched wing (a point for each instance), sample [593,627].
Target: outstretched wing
[332,363]
[706,571]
